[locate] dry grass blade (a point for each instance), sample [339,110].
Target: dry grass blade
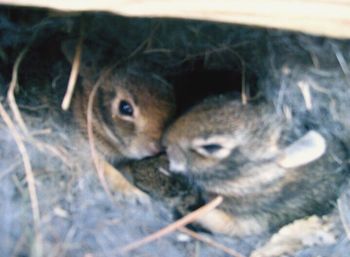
[210,242]
[342,61]
[73,75]
[344,211]
[95,157]
[305,91]
[176,225]
[58,152]
[11,92]
[245,94]
[29,178]
[10,169]
[17,114]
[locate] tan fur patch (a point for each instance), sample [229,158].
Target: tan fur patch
[120,185]
[221,222]
[295,236]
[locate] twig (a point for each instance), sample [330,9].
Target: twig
[176,225]
[29,177]
[147,42]
[9,169]
[344,211]
[40,132]
[61,249]
[197,249]
[21,241]
[95,157]
[342,62]
[60,153]
[18,184]
[73,74]
[10,93]
[245,90]
[305,91]
[245,94]
[15,110]
[143,46]
[33,108]
[210,242]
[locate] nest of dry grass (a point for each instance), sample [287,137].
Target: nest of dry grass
[51,199]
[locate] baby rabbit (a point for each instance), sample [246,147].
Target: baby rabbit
[268,171]
[129,112]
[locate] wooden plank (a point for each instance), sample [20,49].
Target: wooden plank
[320,17]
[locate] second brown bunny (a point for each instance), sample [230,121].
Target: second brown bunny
[268,174]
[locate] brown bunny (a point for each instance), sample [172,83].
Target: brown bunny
[129,112]
[268,172]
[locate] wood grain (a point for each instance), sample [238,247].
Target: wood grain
[320,17]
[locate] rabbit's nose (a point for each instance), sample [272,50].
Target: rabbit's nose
[177,160]
[176,166]
[155,148]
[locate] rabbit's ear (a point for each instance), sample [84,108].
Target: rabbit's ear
[88,58]
[306,149]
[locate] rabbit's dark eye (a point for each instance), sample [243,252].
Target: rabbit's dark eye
[125,108]
[212,148]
